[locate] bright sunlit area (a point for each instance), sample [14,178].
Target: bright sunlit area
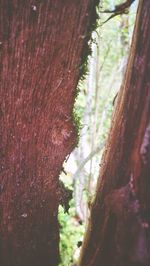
[94,106]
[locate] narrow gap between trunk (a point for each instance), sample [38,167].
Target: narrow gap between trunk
[94,106]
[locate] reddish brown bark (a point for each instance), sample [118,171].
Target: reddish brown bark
[41,46]
[119,227]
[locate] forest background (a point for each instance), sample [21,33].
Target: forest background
[97,95]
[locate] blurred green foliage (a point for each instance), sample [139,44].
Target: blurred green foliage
[71,232]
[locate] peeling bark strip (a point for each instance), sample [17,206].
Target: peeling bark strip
[41,46]
[119,228]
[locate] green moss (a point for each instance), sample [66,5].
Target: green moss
[87,51]
[77,121]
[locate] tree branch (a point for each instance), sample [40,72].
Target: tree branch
[97,149]
[119,10]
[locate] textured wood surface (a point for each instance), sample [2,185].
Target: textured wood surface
[41,46]
[119,226]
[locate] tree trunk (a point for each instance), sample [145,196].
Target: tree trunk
[118,233]
[42,45]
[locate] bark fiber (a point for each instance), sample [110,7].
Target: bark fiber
[41,49]
[118,233]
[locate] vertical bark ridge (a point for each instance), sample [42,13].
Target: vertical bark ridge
[41,47]
[116,228]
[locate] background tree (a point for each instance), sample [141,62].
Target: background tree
[94,103]
[94,106]
[118,230]
[42,45]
